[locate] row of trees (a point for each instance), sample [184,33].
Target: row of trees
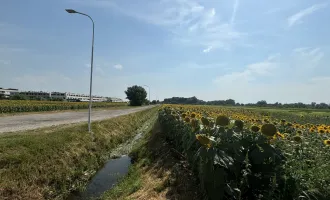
[232,102]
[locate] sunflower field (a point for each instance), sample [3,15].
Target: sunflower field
[14,106]
[246,154]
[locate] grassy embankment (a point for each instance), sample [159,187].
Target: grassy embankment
[49,163]
[158,172]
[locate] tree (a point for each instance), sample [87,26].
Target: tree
[136,95]
[262,103]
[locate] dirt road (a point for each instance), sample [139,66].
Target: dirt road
[34,121]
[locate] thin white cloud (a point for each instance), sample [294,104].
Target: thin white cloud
[297,18]
[233,15]
[311,57]
[118,66]
[208,49]
[250,73]
[191,22]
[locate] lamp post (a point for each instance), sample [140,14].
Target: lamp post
[91,75]
[149,92]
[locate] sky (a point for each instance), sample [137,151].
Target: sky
[249,50]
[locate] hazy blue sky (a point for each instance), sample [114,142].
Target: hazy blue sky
[213,49]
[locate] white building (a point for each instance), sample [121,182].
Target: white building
[114,99]
[83,97]
[7,92]
[36,94]
[57,95]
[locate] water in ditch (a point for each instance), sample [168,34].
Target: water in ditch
[116,168]
[104,179]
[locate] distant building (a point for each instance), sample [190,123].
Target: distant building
[7,92]
[68,96]
[36,94]
[114,99]
[58,95]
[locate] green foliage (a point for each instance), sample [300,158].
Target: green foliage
[235,163]
[136,95]
[18,97]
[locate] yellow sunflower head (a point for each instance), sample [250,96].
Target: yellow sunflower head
[280,135]
[326,142]
[204,140]
[193,115]
[187,119]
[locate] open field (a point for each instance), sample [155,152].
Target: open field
[49,163]
[252,153]
[20,106]
[33,121]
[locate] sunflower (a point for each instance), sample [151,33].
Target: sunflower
[239,124]
[299,132]
[194,123]
[255,128]
[268,129]
[183,115]
[283,121]
[204,140]
[222,120]
[289,124]
[321,130]
[193,115]
[297,138]
[326,142]
[280,135]
[205,121]
[187,119]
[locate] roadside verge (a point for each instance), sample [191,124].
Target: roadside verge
[57,161]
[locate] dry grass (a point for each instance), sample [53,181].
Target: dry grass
[54,162]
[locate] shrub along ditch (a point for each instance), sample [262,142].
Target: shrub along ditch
[50,163]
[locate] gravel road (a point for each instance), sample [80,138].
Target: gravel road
[34,121]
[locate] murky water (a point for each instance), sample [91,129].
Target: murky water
[104,179]
[113,170]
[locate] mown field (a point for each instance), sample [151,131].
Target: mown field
[241,153]
[17,106]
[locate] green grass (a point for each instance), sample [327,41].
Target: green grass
[133,181]
[49,163]
[157,173]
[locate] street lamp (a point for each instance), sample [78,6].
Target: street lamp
[149,92]
[91,78]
